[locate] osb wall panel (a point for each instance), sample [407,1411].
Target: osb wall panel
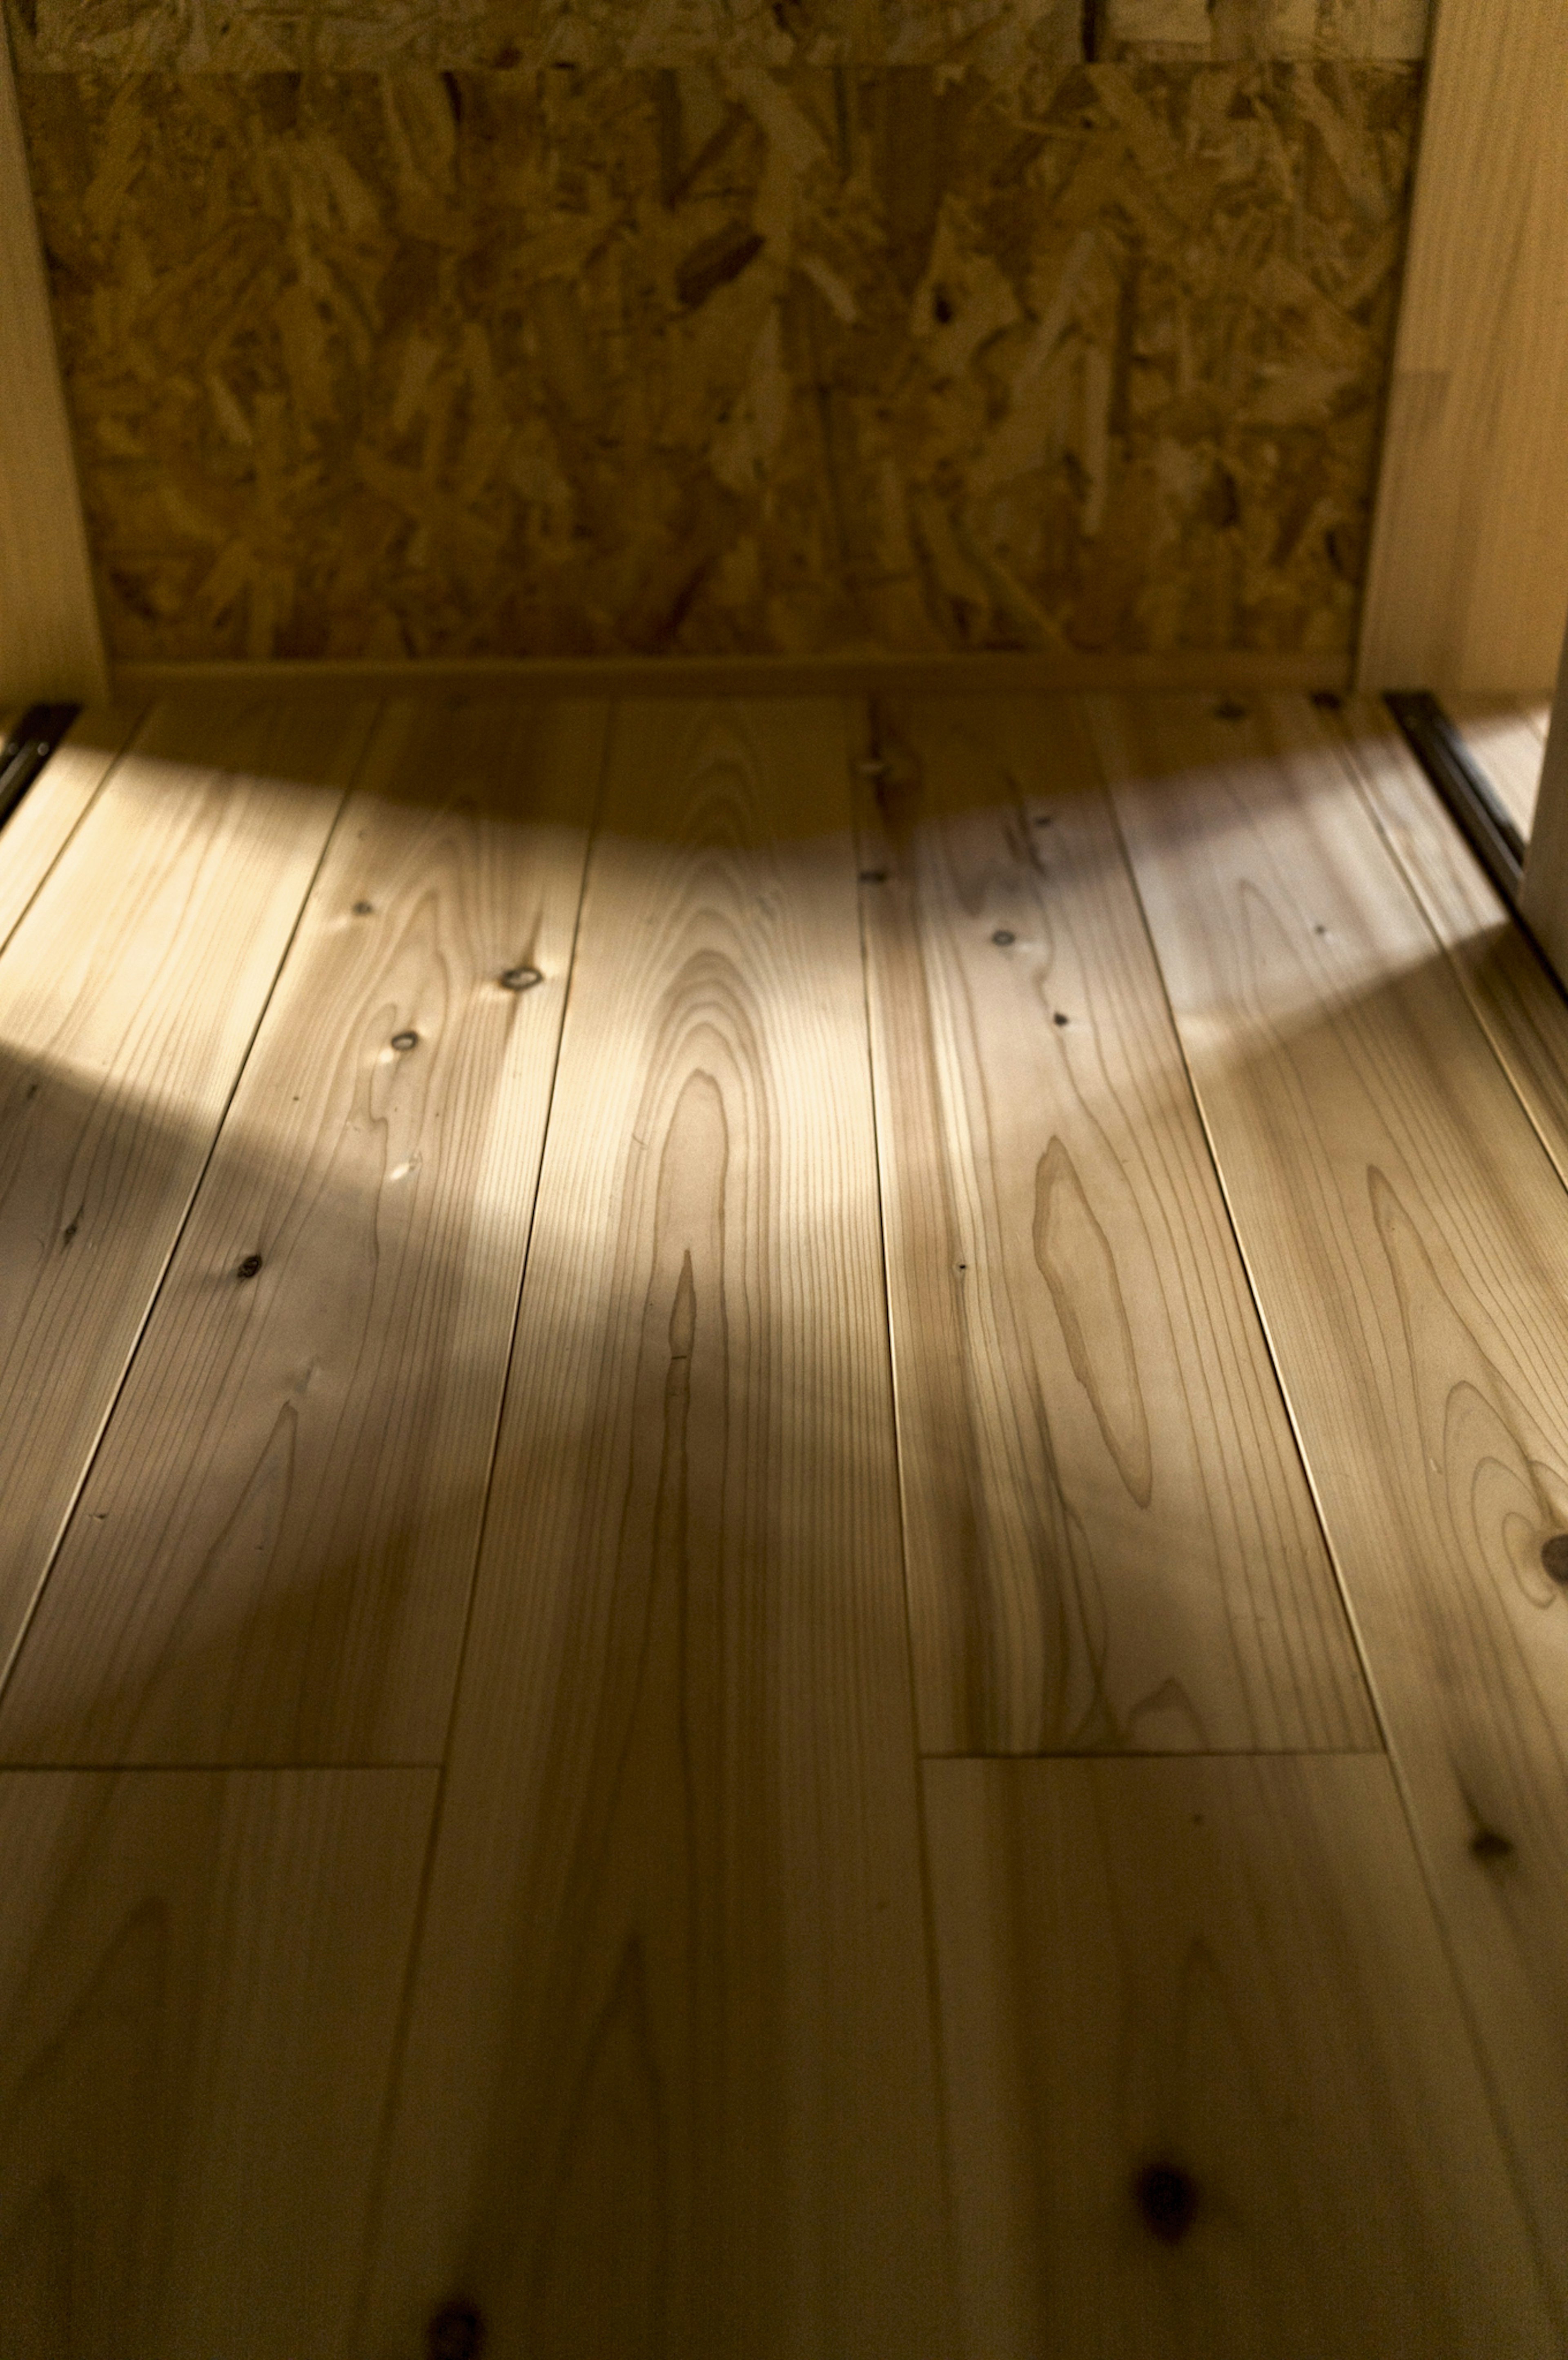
[384,335]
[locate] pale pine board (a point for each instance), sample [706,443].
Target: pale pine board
[1509,740]
[200,1974]
[129,996]
[50,641]
[271,1560]
[44,821]
[1408,1239]
[670,2085]
[1110,1541]
[1228,1969]
[1523,1013]
[1468,576]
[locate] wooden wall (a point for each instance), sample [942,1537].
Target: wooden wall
[439,330]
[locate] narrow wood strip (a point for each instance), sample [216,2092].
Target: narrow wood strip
[745,676]
[1110,1537]
[671,2083]
[1520,1008]
[128,997]
[50,641]
[1406,1235]
[44,821]
[200,1974]
[1209,2083]
[272,1558]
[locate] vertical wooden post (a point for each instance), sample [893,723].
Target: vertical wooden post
[1469,582]
[50,643]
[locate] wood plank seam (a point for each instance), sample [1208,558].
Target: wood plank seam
[9,1663]
[865,741]
[23,820]
[1108,1544]
[1285,1027]
[523,1274]
[381,2165]
[1357,1635]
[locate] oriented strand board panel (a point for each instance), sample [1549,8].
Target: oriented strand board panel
[1210,2086]
[129,994]
[1407,1236]
[1110,1537]
[42,824]
[200,1974]
[1468,584]
[268,36]
[718,353]
[670,2083]
[50,643]
[271,1559]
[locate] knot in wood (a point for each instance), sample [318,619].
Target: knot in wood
[456,2331]
[248,1268]
[1002,939]
[874,877]
[405,1040]
[363,909]
[1168,2199]
[1554,1557]
[520,978]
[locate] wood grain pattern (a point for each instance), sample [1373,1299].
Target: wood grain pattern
[1543,887]
[1406,1235]
[1507,983]
[829,674]
[50,642]
[44,821]
[1227,1971]
[200,1974]
[271,1560]
[1508,737]
[1469,583]
[1109,1536]
[670,2087]
[129,994]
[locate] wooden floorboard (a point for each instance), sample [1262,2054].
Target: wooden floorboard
[670,2079]
[272,1558]
[1111,1543]
[1508,738]
[129,994]
[1210,2087]
[1521,1007]
[1408,1239]
[48,815]
[200,1974]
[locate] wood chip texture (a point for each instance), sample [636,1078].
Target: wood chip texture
[975,324]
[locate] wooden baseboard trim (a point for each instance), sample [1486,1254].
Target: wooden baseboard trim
[744,675]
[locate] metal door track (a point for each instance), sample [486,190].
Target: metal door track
[27,748]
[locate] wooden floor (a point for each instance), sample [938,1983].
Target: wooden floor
[786,1550]
[1506,734]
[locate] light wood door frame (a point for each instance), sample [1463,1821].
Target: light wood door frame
[51,645]
[1468,587]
